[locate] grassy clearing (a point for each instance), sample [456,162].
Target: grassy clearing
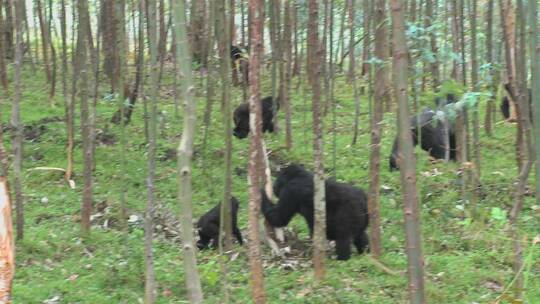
[465,262]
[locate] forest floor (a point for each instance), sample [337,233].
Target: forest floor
[466,261]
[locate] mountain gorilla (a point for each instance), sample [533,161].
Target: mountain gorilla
[441,102]
[505,106]
[208,226]
[432,135]
[346,208]
[241,117]
[239,65]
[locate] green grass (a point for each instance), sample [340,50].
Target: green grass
[464,260]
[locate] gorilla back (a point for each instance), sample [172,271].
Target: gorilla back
[346,208]
[208,226]
[241,117]
[432,138]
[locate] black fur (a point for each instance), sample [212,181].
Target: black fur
[432,138]
[346,208]
[441,102]
[505,106]
[241,117]
[208,226]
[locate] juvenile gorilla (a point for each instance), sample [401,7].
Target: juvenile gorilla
[241,117]
[346,208]
[432,137]
[505,106]
[208,226]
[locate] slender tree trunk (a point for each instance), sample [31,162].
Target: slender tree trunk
[522,111]
[456,72]
[16,124]
[53,55]
[86,206]
[185,154]
[474,80]
[44,39]
[209,77]
[434,65]
[69,128]
[256,15]
[408,165]
[287,48]
[535,84]
[381,95]
[368,13]
[223,40]
[352,71]
[3,72]
[489,60]
[319,200]
[7,253]
[150,280]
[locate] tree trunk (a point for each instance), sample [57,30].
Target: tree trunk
[381,95]
[223,40]
[352,72]
[522,111]
[368,13]
[287,48]
[3,72]
[150,281]
[86,127]
[185,154]
[319,200]
[44,39]
[16,124]
[474,80]
[197,29]
[408,164]
[489,60]
[456,72]
[434,65]
[256,15]
[7,245]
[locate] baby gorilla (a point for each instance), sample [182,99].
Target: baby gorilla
[241,117]
[431,137]
[346,208]
[208,226]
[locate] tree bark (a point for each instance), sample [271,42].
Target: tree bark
[381,97]
[488,122]
[3,72]
[86,126]
[352,71]
[408,165]
[44,39]
[434,65]
[7,245]
[150,280]
[223,40]
[319,200]
[16,124]
[287,48]
[185,154]
[256,15]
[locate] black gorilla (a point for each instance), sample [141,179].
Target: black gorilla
[505,106]
[346,208]
[239,64]
[208,226]
[441,102]
[241,117]
[236,53]
[432,138]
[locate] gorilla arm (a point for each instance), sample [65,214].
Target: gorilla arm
[278,215]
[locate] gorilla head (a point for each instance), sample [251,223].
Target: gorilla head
[241,117]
